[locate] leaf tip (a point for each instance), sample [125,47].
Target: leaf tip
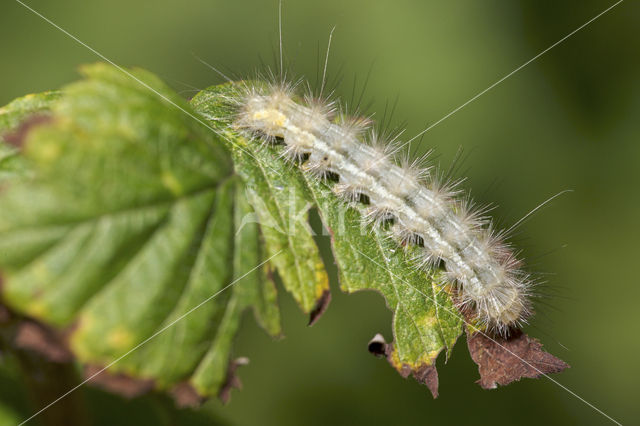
[427,374]
[232,381]
[321,306]
[186,396]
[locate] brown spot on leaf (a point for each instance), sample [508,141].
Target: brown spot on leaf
[320,308]
[43,352]
[428,375]
[232,381]
[47,369]
[185,395]
[18,135]
[505,360]
[38,338]
[425,374]
[117,383]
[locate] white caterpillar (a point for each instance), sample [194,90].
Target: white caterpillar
[479,264]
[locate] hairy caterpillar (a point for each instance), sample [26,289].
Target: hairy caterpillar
[423,210]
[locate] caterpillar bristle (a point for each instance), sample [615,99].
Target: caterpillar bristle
[417,206]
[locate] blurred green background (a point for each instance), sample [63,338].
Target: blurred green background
[569,120]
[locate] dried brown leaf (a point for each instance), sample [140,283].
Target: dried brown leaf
[232,381]
[505,360]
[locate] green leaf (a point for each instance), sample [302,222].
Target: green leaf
[211,372]
[425,320]
[126,234]
[281,200]
[144,232]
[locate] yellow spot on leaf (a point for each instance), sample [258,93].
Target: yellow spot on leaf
[49,152]
[38,309]
[429,321]
[322,281]
[425,359]
[171,183]
[120,338]
[78,345]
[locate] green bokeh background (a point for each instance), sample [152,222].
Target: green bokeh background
[569,120]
